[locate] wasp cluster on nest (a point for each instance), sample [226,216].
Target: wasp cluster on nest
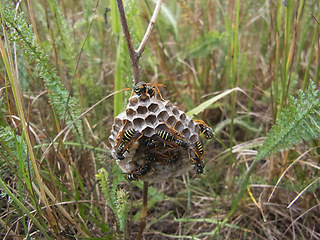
[153,140]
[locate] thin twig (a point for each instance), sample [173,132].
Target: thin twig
[135,55]
[146,36]
[144,210]
[132,53]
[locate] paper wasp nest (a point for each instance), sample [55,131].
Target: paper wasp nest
[152,140]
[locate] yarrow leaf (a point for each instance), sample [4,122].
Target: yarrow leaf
[300,120]
[19,31]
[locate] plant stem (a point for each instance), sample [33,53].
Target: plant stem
[133,57]
[144,209]
[149,29]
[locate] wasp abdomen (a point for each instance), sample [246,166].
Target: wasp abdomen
[198,165]
[165,135]
[199,147]
[132,176]
[128,134]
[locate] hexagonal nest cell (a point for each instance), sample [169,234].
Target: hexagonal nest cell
[152,140]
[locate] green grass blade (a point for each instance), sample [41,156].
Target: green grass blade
[314,38]
[209,102]
[23,208]
[118,82]
[115,19]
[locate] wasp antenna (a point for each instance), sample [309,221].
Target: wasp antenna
[217,139]
[125,89]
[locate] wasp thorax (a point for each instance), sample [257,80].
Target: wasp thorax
[153,140]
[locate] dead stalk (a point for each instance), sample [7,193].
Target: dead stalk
[136,54]
[144,210]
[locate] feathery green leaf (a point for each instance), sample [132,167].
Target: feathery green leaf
[117,199]
[19,31]
[300,120]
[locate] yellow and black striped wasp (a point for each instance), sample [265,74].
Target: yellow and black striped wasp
[205,129]
[198,151]
[181,143]
[177,136]
[151,143]
[199,165]
[136,175]
[128,145]
[132,176]
[170,138]
[174,132]
[126,141]
[151,89]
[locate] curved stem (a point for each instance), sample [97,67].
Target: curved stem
[149,29]
[135,55]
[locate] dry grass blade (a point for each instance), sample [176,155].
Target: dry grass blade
[64,212]
[299,195]
[287,169]
[299,217]
[70,124]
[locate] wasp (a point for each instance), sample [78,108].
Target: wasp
[174,132]
[132,176]
[197,157]
[171,158]
[165,137]
[120,151]
[181,143]
[128,142]
[127,147]
[121,133]
[150,89]
[139,173]
[128,134]
[125,136]
[198,165]
[205,129]
[150,143]
[144,170]
[140,88]
[151,157]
